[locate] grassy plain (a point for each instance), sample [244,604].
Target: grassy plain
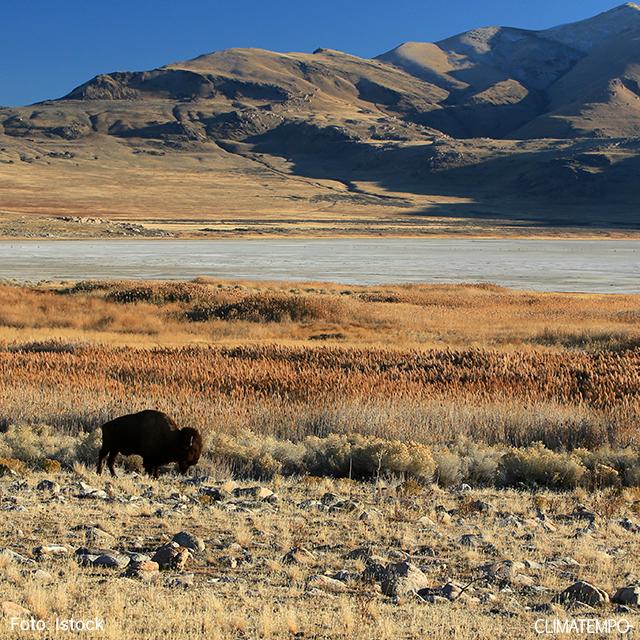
[365,409]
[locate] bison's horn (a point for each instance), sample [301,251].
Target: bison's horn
[190,441]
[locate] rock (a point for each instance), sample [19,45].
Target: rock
[325,583]
[171,556]
[299,555]
[425,521]
[504,571]
[360,553]
[583,593]
[345,576]
[402,578]
[310,504]
[329,498]
[189,541]
[98,536]
[214,494]
[145,570]
[582,513]
[627,595]
[522,580]
[134,556]
[182,582]
[471,540]
[50,550]
[427,595]
[479,506]
[87,491]
[48,485]
[37,574]
[347,506]
[563,563]
[254,493]
[112,560]
[451,591]
[12,556]
[14,610]
[630,525]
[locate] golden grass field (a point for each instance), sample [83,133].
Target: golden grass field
[388,397]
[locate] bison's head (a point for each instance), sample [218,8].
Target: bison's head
[190,443]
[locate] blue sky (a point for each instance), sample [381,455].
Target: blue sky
[47,47]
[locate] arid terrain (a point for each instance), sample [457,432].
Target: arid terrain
[496,131]
[394,462]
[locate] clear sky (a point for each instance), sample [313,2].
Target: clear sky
[47,47]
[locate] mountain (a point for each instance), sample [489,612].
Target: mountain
[497,123]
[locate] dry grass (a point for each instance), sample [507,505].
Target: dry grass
[421,316]
[266,598]
[434,365]
[418,389]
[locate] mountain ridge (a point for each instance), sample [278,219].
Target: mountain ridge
[547,121]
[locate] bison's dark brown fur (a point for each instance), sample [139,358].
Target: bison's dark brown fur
[152,435]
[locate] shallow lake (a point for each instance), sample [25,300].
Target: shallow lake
[606,266]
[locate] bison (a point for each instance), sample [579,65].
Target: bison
[152,435]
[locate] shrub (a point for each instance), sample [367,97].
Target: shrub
[45,346]
[269,308]
[537,465]
[12,465]
[449,468]
[625,463]
[50,466]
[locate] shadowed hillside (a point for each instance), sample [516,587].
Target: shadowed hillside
[497,123]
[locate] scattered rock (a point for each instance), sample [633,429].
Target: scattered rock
[584,593]
[253,493]
[15,557]
[402,578]
[299,555]
[98,536]
[189,541]
[145,570]
[214,494]
[111,560]
[627,595]
[87,491]
[479,506]
[184,581]
[360,553]
[48,485]
[14,610]
[630,525]
[171,556]
[50,550]
[325,583]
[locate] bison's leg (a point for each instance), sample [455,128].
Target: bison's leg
[101,456]
[148,466]
[110,460]
[156,472]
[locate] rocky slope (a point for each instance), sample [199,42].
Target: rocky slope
[497,123]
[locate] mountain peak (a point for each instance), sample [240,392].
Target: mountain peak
[587,34]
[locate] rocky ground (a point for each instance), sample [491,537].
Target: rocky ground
[209,557]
